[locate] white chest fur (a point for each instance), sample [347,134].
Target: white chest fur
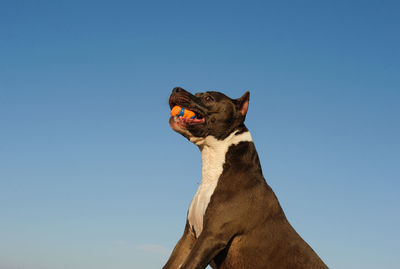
[213,154]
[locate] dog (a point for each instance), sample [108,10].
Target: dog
[234,220]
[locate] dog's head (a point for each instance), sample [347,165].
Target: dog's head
[217,115]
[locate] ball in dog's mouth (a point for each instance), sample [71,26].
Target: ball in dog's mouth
[181,123]
[183,117]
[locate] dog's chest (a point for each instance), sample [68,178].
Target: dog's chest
[211,170]
[213,158]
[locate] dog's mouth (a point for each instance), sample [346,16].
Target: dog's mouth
[185,122]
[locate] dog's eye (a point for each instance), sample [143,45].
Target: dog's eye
[208,98]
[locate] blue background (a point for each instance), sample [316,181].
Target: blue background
[91,175]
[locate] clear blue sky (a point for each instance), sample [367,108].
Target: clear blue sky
[92,177]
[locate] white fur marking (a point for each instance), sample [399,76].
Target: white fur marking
[213,152]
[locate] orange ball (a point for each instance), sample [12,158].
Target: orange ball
[180,111]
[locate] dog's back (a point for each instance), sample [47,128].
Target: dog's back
[265,238]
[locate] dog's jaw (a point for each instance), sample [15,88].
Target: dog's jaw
[199,141]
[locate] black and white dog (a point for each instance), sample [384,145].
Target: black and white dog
[234,220]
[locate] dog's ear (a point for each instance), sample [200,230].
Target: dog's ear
[243,103]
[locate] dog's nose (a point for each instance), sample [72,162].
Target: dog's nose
[177,89]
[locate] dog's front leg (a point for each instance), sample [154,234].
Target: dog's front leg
[206,247]
[181,250]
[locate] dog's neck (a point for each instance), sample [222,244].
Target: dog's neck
[213,157]
[213,153]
